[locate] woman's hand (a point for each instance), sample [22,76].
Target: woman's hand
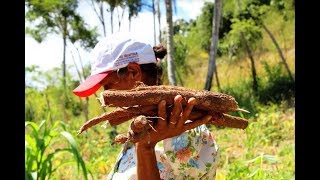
[171,126]
[163,129]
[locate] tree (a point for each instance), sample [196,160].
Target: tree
[284,62]
[202,30]
[157,12]
[112,6]
[135,7]
[99,13]
[258,12]
[154,22]
[59,17]
[170,48]
[214,43]
[249,51]
[243,36]
[200,33]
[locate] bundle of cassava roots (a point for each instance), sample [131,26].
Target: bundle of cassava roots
[140,105]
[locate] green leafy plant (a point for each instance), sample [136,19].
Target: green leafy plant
[40,154]
[279,87]
[232,43]
[251,169]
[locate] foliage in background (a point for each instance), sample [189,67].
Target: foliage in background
[180,55]
[279,87]
[232,43]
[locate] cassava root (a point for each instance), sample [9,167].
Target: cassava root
[143,100]
[140,123]
[120,116]
[151,95]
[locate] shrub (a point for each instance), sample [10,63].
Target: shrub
[278,88]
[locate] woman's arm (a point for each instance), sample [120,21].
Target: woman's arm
[165,128]
[146,163]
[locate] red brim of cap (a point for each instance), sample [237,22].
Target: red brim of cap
[90,85]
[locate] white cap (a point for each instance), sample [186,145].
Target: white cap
[117,51]
[112,53]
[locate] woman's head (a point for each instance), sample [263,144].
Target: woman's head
[119,61]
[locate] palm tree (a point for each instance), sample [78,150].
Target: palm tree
[157,12]
[214,43]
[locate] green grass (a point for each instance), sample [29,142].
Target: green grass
[265,150]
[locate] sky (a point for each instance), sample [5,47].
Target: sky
[48,54]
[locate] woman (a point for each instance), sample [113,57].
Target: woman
[176,150]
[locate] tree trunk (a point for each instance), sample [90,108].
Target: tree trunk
[157,9]
[171,68]
[154,23]
[253,68]
[64,62]
[81,78]
[119,20]
[102,19]
[64,36]
[100,15]
[217,79]
[65,97]
[111,20]
[214,43]
[49,108]
[179,78]
[75,65]
[279,50]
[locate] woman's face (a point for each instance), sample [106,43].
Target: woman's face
[123,81]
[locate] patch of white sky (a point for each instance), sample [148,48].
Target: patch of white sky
[48,54]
